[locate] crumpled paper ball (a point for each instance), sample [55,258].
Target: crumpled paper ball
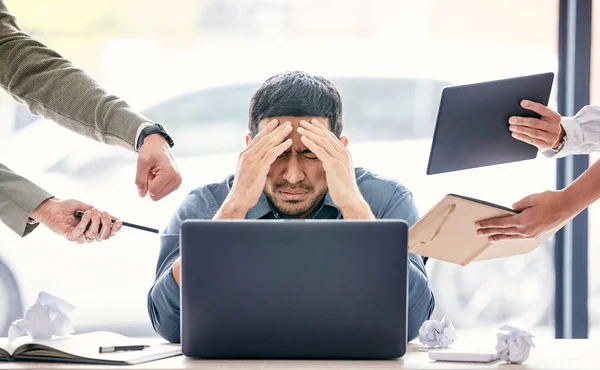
[45,319]
[514,347]
[437,333]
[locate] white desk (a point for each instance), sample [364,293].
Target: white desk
[548,354]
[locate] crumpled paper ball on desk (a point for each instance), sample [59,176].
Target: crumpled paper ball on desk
[44,319]
[514,347]
[437,333]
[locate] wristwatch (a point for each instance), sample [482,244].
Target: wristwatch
[153,129]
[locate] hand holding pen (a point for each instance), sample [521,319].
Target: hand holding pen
[114,223]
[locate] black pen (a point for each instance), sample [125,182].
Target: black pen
[79,214]
[122,348]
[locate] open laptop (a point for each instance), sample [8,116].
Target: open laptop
[472,128]
[294,289]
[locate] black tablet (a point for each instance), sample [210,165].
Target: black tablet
[472,127]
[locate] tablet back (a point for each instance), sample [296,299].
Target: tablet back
[472,127]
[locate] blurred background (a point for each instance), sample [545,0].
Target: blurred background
[193,65]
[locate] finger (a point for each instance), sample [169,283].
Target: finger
[499,238]
[544,136]
[499,222]
[538,108]
[168,189]
[106,229]
[265,132]
[115,228]
[319,152]
[316,127]
[92,231]
[498,231]
[534,123]
[162,192]
[144,167]
[80,206]
[329,133]
[77,232]
[253,150]
[320,141]
[524,203]
[277,137]
[158,184]
[529,140]
[275,152]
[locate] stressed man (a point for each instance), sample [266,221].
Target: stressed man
[295,165]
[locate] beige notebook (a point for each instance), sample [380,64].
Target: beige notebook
[83,348]
[448,232]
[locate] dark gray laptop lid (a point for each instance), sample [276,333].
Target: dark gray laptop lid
[294,289]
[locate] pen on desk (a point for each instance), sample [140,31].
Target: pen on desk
[122,348]
[79,214]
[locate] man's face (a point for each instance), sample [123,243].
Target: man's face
[296,183]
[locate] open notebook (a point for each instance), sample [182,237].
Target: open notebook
[84,348]
[448,232]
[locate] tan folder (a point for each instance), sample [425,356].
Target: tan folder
[448,232]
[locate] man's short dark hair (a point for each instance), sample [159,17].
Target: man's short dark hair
[296,94]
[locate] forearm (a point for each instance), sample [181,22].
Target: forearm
[231,210]
[358,210]
[53,88]
[584,191]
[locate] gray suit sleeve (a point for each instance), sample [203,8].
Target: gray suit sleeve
[53,88]
[18,198]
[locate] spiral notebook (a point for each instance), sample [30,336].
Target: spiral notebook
[83,348]
[448,232]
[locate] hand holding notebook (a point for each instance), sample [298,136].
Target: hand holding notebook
[448,232]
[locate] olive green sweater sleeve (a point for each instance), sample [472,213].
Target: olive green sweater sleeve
[53,88]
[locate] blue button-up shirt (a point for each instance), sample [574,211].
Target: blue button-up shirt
[387,199]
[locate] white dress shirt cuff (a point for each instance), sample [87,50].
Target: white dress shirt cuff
[139,131]
[573,139]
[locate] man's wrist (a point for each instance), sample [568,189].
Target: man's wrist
[42,212]
[152,129]
[139,131]
[231,209]
[560,143]
[357,209]
[154,139]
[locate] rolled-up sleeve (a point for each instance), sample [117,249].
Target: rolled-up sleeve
[164,296]
[421,300]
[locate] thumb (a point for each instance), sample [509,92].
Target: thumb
[71,206]
[526,202]
[144,165]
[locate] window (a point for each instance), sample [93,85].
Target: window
[193,67]
[594,210]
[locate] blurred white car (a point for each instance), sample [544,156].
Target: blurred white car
[389,122]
